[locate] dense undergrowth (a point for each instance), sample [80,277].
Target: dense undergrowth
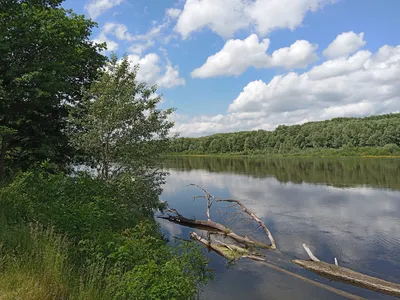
[68,237]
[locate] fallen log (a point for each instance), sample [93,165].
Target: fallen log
[211,199]
[214,226]
[345,275]
[229,251]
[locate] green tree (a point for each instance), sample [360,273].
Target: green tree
[122,131]
[46,58]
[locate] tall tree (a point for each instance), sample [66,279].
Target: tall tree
[46,58]
[122,131]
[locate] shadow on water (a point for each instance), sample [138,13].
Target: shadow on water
[344,208]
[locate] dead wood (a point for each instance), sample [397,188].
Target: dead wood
[338,273]
[210,199]
[229,251]
[214,227]
[257,219]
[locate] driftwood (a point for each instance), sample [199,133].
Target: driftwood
[338,273]
[233,252]
[212,226]
[217,227]
[251,214]
[210,199]
[229,251]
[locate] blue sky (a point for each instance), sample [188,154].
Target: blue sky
[230,65]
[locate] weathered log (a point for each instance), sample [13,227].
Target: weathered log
[229,251]
[329,288]
[253,215]
[338,273]
[210,199]
[214,226]
[345,275]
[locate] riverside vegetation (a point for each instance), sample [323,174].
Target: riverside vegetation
[370,136]
[81,235]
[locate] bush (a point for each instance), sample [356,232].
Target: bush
[95,240]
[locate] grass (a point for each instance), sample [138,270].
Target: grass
[38,269]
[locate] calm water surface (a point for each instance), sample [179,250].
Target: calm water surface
[344,208]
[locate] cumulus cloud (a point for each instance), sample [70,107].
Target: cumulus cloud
[345,43]
[151,71]
[360,85]
[95,8]
[171,77]
[225,17]
[238,55]
[299,55]
[235,57]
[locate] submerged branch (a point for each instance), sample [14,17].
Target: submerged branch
[229,251]
[214,227]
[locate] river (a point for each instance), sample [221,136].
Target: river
[344,208]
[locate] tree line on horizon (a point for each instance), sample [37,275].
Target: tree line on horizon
[374,135]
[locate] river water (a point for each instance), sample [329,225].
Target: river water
[343,208]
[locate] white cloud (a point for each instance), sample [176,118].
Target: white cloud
[151,71]
[139,48]
[222,16]
[235,57]
[268,15]
[170,78]
[345,43]
[340,66]
[141,42]
[238,55]
[97,7]
[225,17]
[111,45]
[120,31]
[299,55]
[173,13]
[360,85]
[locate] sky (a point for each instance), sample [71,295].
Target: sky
[235,65]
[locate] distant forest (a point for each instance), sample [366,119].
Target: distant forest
[375,135]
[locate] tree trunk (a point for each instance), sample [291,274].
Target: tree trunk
[3,155]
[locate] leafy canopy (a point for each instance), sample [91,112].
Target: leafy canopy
[122,131]
[46,58]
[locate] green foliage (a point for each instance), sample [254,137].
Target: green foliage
[37,268]
[108,246]
[73,236]
[46,58]
[377,135]
[119,125]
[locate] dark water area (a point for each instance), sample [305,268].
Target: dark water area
[344,208]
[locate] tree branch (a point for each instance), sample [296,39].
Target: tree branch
[251,214]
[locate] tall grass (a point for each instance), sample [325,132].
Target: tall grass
[34,265]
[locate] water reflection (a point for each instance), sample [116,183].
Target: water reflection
[358,225]
[382,173]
